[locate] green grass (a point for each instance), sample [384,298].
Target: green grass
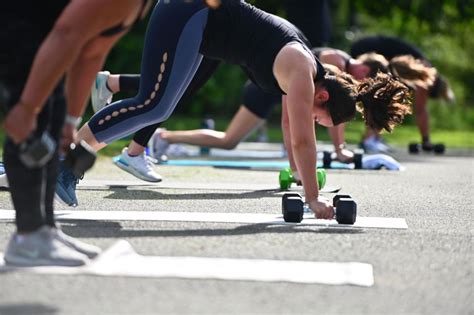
[402,135]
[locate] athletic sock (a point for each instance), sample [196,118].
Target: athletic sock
[107,86]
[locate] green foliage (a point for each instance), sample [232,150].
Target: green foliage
[442,29]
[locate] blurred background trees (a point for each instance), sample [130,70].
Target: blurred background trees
[442,29]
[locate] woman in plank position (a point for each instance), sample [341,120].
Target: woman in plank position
[276,58]
[255,108]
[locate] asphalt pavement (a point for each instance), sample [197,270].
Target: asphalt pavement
[425,269]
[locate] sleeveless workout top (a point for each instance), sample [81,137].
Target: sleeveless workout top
[387,46]
[242,34]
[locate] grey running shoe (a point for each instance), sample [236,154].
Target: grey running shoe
[41,248]
[158,146]
[373,144]
[3,177]
[139,166]
[100,94]
[66,186]
[89,250]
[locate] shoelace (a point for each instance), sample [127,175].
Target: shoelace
[148,163]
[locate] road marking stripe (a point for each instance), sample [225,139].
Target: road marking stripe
[214,217]
[120,260]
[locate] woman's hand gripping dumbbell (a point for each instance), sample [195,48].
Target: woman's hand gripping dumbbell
[344,208]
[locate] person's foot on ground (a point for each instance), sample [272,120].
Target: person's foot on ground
[3,177]
[66,186]
[101,96]
[159,146]
[427,146]
[139,166]
[345,156]
[89,250]
[373,144]
[41,248]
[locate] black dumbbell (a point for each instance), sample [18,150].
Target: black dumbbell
[413,148]
[327,159]
[36,151]
[80,158]
[292,207]
[438,148]
[345,209]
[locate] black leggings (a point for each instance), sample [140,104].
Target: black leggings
[32,190]
[131,83]
[170,60]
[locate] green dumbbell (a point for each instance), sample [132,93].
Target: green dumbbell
[286,178]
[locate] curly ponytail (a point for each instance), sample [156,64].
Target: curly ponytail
[383,101]
[412,71]
[408,69]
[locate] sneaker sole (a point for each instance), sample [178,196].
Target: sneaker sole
[32,262]
[125,168]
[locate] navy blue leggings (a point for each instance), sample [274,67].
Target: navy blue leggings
[169,62]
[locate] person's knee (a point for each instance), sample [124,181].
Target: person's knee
[229,144]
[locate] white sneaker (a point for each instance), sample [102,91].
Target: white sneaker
[158,146]
[100,94]
[3,177]
[41,248]
[139,166]
[374,145]
[89,250]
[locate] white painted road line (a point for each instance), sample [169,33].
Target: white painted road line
[121,260]
[214,217]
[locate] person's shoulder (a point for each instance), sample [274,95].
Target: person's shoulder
[297,51]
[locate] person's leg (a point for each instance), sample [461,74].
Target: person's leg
[243,122]
[32,191]
[179,26]
[422,116]
[256,107]
[125,83]
[27,185]
[133,159]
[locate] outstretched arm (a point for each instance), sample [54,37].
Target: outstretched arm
[285,127]
[294,69]
[79,23]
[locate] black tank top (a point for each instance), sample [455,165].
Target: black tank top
[387,46]
[242,34]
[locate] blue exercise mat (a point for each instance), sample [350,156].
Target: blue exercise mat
[248,164]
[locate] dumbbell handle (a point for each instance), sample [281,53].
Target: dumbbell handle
[307,209]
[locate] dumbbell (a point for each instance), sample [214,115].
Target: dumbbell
[438,148]
[286,178]
[37,150]
[293,208]
[345,209]
[80,158]
[327,159]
